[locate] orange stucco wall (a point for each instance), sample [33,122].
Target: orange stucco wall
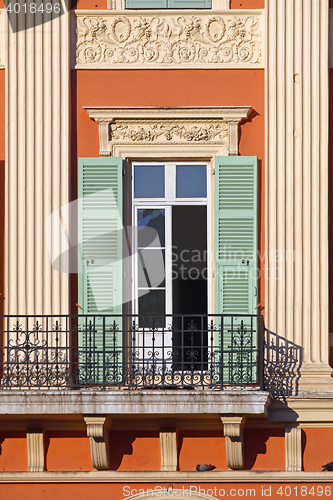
[140,450]
[135,450]
[13,451]
[102,4]
[201,447]
[169,88]
[317,446]
[264,449]
[121,491]
[67,451]
[247,4]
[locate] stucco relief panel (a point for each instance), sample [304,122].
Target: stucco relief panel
[168,40]
[168,131]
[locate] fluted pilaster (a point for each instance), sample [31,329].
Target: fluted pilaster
[296,182]
[37,156]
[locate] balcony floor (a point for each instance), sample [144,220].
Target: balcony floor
[135,402]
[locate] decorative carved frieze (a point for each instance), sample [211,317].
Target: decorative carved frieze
[168,127]
[168,39]
[168,446]
[169,131]
[35,447]
[97,431]
[233,433]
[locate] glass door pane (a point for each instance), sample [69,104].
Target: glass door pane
[151,284]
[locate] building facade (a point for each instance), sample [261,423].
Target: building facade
[165,241]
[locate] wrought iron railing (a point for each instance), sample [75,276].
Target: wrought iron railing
[112,352]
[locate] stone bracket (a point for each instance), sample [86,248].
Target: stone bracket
[98,434]
[167,127]
[293,448]
[233,433]
[168,446]
[35,446]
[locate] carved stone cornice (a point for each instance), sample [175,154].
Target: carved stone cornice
[168,39]
[168,127]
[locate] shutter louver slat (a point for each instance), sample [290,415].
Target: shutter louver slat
[146,4]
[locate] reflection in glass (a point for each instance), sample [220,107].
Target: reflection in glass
[149,181]
[191,181]
[151,219]
[151,268]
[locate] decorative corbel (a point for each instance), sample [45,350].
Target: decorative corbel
[104,139]
[293,448]
[168,446]
[98,434]
[35,446]
[233,433]
[233,137]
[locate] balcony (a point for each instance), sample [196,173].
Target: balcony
[169,352]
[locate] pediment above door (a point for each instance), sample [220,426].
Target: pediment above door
[210,130]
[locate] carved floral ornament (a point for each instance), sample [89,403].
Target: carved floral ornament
[166,40]
[178,127]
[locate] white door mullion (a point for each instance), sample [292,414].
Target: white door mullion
[168,259]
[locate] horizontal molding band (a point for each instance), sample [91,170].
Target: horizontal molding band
[227,476]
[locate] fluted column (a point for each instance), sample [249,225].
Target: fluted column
[296,182]
[37,156]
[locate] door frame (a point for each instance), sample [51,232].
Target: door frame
[167,202]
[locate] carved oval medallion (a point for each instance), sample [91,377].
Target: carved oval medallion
[121,29]
[215,29]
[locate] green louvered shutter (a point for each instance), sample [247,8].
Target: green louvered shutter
[235,267]
[168,4]
[189,4]
[146,4]
[100,282]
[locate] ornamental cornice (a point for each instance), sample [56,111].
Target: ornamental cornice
[168,39]
[168,127]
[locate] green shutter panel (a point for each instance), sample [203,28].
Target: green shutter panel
[189,4]
[146,4]
[235,266]
[100,282]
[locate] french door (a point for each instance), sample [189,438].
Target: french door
[170,279]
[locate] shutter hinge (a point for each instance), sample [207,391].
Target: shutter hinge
[213,172]
[213,274]
[124,171]
[124,275]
